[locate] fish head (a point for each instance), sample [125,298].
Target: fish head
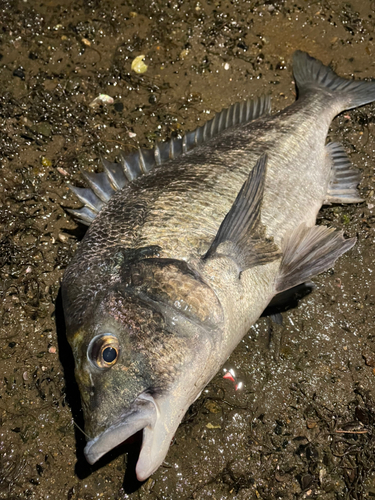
[141,350]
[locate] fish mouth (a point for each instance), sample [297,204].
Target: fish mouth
[142,414]
[159,421]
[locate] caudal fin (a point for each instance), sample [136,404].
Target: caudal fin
[311,75]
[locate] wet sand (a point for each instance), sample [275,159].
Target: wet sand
[302,426]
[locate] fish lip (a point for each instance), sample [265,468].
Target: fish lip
[142,413]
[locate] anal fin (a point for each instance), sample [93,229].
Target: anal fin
[345,178]
[242,235]
[310,251]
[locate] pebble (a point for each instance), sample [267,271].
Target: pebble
[101,99]
[62,171]
[63,238]
[46,162]
[310,424]
[138,66]
[369,359]
[20,73]
[184,53]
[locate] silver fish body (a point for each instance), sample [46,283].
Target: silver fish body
[181,261]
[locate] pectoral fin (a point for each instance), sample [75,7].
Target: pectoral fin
[310,251]
[241,235]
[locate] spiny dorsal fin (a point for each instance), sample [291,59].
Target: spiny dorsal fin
[345,178]
[310,251]
[241,234]
[133,165]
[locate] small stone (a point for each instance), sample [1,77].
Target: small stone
[63,238]
[184,53]
[46,162]
[19,73]
[101,99]
[310,424]
[322,473]
[52,349]
[369,359]
[72,85]
[226,66]
[62,171]
[119,107]
[26,122]
[138,66]
[306,482]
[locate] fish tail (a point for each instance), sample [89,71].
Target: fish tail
[312,75]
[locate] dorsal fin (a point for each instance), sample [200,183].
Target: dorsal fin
[133,165]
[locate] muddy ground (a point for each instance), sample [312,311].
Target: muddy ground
[303,424]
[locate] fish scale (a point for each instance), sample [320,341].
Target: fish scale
[188,245]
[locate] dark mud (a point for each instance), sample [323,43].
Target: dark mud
[303,425]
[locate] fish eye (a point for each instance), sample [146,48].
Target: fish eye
[104,350]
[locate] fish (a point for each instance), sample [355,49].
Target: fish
[189,243]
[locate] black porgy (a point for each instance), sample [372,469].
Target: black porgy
[187,246]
